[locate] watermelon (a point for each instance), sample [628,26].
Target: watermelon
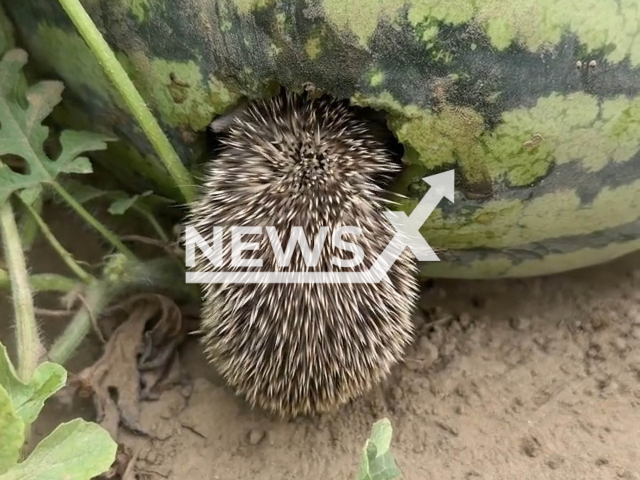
[534,103]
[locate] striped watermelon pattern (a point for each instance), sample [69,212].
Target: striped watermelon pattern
[535,103]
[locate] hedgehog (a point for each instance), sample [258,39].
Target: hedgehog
[302,349]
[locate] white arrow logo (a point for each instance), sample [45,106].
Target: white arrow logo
[441,186]
[408,235]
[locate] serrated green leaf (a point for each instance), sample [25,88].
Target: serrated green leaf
[377,461]
[79,165]
[121,205]
[22,133]
[28,399]
[77,450]
[75,143]
[11,433]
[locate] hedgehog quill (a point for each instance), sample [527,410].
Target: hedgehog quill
[299,349]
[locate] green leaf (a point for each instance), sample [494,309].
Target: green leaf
[22,133]
[121,205]
[381,436]
[11,433]
[28,399]
[77,450]
[81,191]
[377,460]
[75,143]
[84,193]
[31,194]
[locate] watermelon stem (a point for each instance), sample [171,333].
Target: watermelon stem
[139,109]
[65,255]
[28,345]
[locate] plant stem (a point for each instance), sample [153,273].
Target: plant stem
[28,225]
[27,338]
[131,96]
[91,220]
[43,282]
[98,295]
[57,246]
[160,274]
[154,223]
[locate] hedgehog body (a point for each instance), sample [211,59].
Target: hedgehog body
[302,348]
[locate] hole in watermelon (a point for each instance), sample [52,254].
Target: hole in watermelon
[377,121]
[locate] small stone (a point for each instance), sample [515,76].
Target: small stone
[459,410]
[555,462]
[186,390]
[465,320]
[152,457]
[256,436]
[620,344]
[593,64]
[428,351]
[144,452]
[599,321]
[595,352]
[578,64]
[418,448]
[424,342]
[627,475]
[543,343]
[601,461]
[162,430]
[461,390]
[455,328]
[436,335]
[398,393]
[449,348]
[520,323]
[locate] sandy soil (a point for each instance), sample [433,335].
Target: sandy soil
[527,379]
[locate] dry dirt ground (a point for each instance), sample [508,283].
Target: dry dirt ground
[518,379]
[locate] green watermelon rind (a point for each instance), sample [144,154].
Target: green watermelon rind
[536,104]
